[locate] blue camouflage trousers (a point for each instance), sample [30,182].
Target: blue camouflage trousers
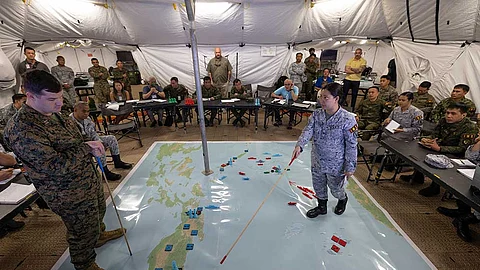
[322,181]
[110,142]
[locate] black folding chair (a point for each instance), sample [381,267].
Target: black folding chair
[121,130]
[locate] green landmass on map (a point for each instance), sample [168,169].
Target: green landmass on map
[368,204]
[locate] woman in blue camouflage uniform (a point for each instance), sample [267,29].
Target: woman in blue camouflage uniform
[334,149]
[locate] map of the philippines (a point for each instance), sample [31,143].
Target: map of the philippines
[175,214]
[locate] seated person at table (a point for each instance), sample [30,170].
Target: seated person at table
[323,80]
[118,94]
[8,160]
[11,109]
[422,99]
[408,116]
[239,91]
[86,126]
[177,91]
[388,93]
[153,91]
[453,134]
[369,113]
[458,95]
[212,93]
[288,92]
[463,214]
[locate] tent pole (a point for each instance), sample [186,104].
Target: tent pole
[189,4]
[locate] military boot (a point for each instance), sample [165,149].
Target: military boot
[430,191]
[463,209]
[94,266]
[106,236]
[461,224]
[119,164]
[341,206]
[321,209]
[111,175]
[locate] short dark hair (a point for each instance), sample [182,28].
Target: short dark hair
[374,87]
[464,87]
[359,49]
[326,69]
[334,88]
[118,60]
[36,81]
[28,48]
[298,54]
[206,78]
[58,57]
[174,79]
[386,77]
[425,84]
[311,49]
[236,80]
[17,97]
[93,59]
[408,94]
[458,105]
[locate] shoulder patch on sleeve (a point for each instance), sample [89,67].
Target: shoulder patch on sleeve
[418,117]
[353,129]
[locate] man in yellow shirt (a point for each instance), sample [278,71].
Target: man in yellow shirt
[354,69]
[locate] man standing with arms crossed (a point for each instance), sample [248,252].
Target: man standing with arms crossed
[65,76]
[220,71]
[59,164]
[354,69]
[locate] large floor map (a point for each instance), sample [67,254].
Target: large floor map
[156,196]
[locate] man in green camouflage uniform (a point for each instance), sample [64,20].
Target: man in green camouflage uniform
[65,76]
[453,134]
[177,91]
[369,113]
[59,164]
[312,63]
[121,74]
[212,93]
[100,79]
[239,91]
[457,96]
[423,100]
[388,93]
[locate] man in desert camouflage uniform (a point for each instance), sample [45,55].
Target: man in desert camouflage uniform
[66,77]
[59,164]
[101,86]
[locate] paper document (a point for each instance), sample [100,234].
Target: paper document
[14,173]
[15,193]
[392,126]
[235,99]
[145,101]
[467,172]
[301,105]
[227,101]
[309,102]
[205,99]
[113,106]
[159,100]
[463,162]
[132,101]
